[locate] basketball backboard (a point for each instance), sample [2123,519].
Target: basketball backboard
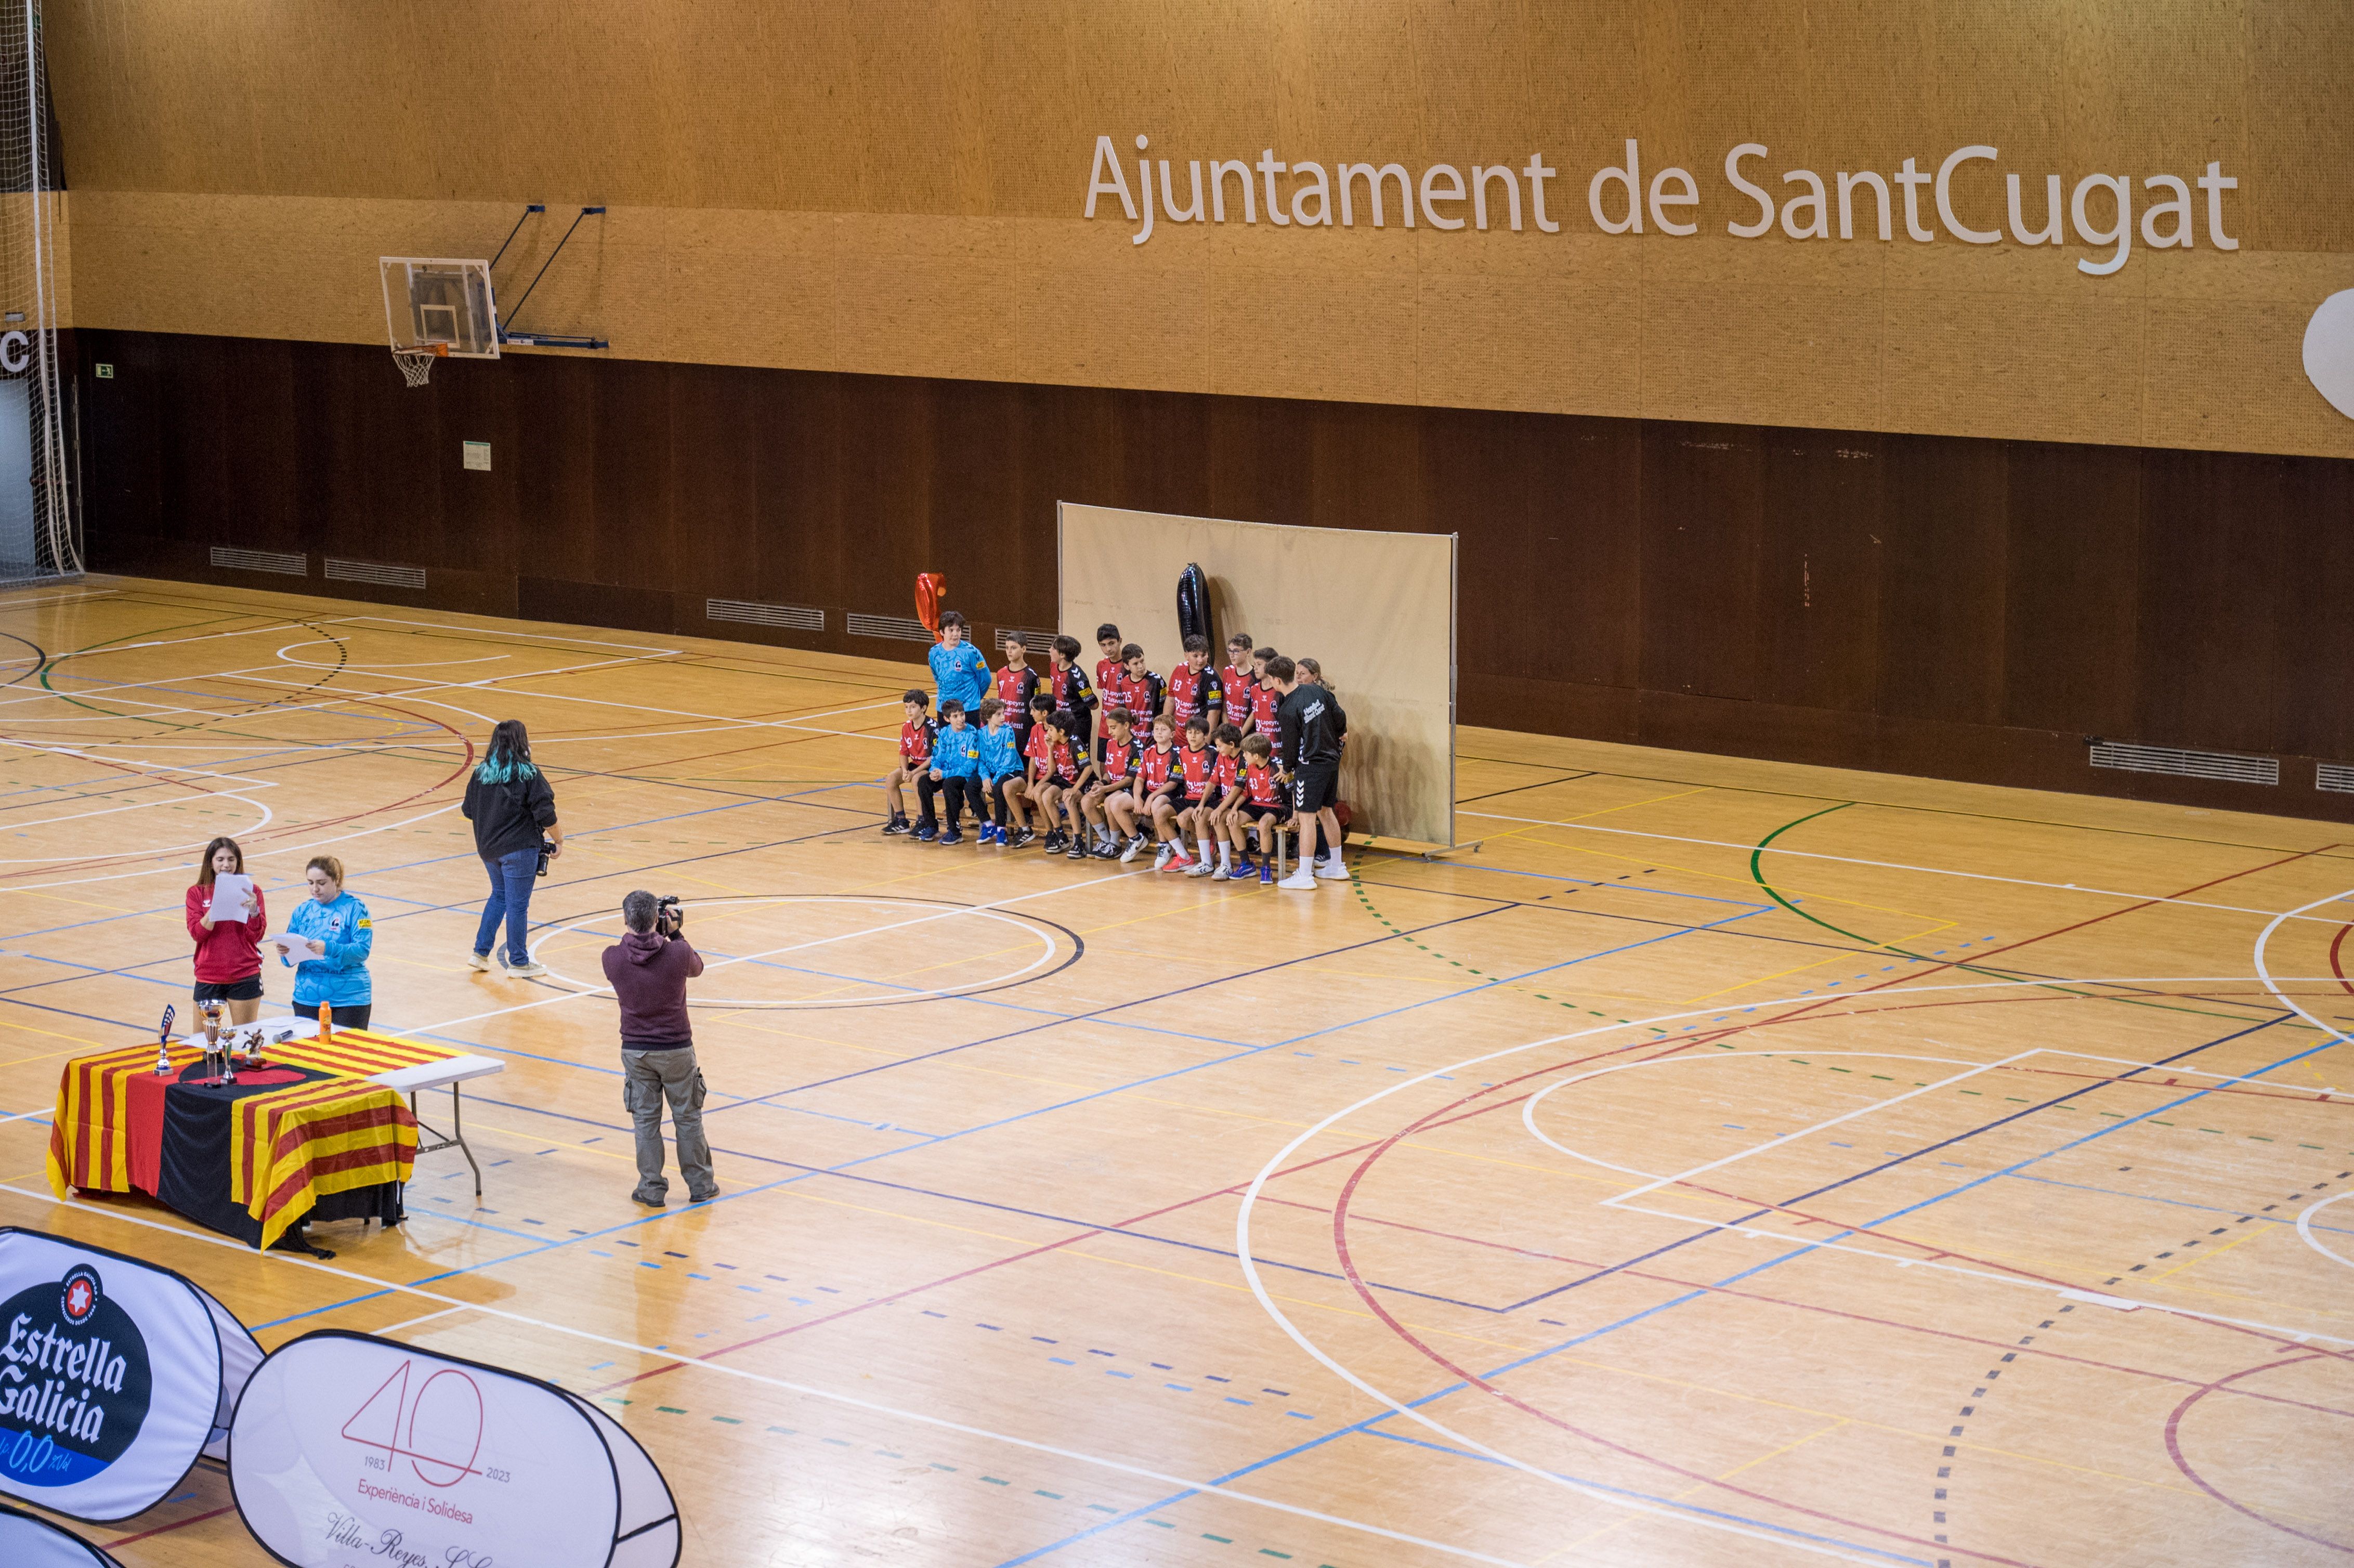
[437,301]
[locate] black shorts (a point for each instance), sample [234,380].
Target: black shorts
[1054,782]
[1315,787]
[1258,813]
[246,990]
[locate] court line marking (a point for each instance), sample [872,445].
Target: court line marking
[2304,1229]
[1250,1263]
[874,1406]
[1895,865]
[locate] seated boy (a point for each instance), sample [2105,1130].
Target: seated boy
[916,732]
[1051,767]
[1074,747]
[1001,765]
[1261,805]
[1109,804]
[1225,817]
[1163,780]
[1198,761]
[955,766]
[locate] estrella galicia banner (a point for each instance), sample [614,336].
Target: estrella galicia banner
[29,1543]
[114,1375]
[350,1451]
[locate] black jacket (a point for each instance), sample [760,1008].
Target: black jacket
[1310,722]
[508,817]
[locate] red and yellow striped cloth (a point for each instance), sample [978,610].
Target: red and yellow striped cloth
[286,1147]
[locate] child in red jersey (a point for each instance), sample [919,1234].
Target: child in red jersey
[1198,761]
[1161,773]
[916,735]
[1194,689]
[1222,813]
[1261,807]
[1114,660]
[1236,683]
[1016,684]
[1066,684]
[1051,767]
[1109,803]
[1141,693]
[1264,699]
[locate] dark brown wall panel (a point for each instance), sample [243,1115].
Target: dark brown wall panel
[1944,528]
[2071,595]
[1921,604]
[1703,496]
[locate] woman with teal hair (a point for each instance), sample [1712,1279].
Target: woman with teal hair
[516,833]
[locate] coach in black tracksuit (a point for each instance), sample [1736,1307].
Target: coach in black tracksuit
[1310,724]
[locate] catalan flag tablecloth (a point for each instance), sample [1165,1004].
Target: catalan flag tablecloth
[250,1159]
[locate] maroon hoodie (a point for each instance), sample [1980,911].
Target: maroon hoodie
[649,972]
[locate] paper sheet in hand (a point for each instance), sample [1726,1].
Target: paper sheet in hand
[296,947]
[232,893]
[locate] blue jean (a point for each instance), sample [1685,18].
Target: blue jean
[511,876]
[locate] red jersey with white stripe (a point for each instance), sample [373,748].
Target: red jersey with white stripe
[1227,772]
[1050,748]
[1261,783]
[1154,765]
[1235,685]
[1108,675]
[1264,700]
[1120,761]
[916,741]
[1016,684]
[1194,691]
[1197,766]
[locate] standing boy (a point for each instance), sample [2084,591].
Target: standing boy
[1001,765]
[916,732]
[1015,686]
[1236,683]
[1066,684]
[1141,693]
[1264,700]
[1193,688]
[958,669]
[1114,660]
[1310,723]
[956,765]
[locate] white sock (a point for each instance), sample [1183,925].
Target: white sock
[1226,856]
[1205,849]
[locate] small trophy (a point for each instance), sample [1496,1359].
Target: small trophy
[216,1056]
[164,1045]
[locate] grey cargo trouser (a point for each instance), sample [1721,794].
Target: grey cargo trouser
[647,1078]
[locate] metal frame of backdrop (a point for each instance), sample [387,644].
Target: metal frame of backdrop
[29,190]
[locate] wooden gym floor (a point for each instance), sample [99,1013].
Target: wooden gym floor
[1730,1163]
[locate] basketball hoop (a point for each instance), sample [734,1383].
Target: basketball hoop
[417,364]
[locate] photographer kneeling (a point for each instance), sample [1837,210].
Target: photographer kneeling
[648,970]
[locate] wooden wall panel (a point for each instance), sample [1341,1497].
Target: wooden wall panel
[1926,604]
[1704,498]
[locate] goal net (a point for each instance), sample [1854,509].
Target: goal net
[40,533]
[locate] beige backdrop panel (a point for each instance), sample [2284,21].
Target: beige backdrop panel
[1376,610]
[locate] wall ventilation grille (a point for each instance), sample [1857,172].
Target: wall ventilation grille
[1039,642]
[375,572]
[285,563]
[899,627]
[2223,766]
[792,616]
[2336,777]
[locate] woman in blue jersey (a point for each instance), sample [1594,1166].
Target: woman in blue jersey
[336,974]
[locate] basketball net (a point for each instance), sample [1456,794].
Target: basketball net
[417,364]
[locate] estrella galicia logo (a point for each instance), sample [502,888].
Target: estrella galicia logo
[74,1381]
[78,1299]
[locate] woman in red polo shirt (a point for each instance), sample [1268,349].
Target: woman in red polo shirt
[228,952]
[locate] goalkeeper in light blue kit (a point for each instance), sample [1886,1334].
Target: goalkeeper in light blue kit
[959,669]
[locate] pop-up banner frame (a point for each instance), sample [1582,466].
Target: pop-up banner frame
[347,1449]
[115,1375]
[29,1543]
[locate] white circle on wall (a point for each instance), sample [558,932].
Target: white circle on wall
[2329,351]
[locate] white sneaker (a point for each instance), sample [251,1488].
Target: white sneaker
[1333,870]
[1135,847]
[523,970]
[478,961]
[1301,881]
[1200,868]
[1160,856]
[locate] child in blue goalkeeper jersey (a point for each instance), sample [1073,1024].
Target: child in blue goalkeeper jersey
[1001,764]
[958,669]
